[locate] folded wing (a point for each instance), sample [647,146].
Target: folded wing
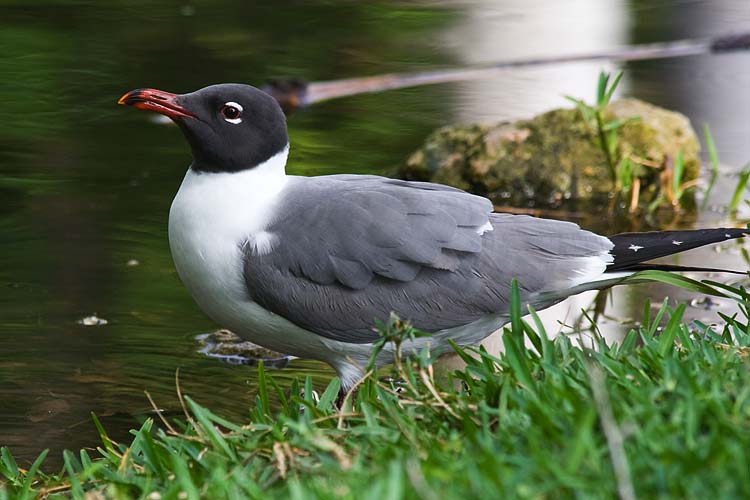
[348,250]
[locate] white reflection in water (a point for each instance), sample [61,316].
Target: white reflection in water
[494,31]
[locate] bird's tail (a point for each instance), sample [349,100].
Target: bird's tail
[632,250]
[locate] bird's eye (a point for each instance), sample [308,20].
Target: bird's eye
[232,112]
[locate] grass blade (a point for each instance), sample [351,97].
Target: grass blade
[713,162]
[31,476]
[329,395]
[668,335]
[674,279]
[9,466]
[106,441]
[263,390]
[70,467]
[461,352]
[601,89]
[679,171]
[657,320]
[612,88]
[741,185]
[217,439]
[513,339]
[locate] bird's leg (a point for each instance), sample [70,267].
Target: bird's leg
[341,398]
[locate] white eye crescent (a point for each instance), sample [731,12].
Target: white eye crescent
[232,112]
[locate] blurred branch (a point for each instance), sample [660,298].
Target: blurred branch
[294,94]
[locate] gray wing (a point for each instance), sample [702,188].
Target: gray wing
[349,250]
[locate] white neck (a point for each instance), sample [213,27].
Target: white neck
[272,170]
[268,174]
[229,205]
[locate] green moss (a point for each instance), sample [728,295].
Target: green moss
[657,133]
[554,155]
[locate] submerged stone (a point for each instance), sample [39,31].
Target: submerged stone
[228,347]
[555,155]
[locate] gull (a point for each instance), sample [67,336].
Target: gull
[308,265]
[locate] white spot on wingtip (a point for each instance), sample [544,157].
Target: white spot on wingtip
[727,235]
[675,242]
[634,248]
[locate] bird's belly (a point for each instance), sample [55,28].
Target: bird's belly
[210,266]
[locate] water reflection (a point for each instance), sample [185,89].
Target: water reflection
[86,188]
[492,30]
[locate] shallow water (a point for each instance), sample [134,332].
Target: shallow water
[86,186]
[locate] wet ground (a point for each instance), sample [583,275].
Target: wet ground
[85,186]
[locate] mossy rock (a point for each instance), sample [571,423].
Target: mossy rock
[555,155]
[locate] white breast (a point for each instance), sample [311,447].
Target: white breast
[211,217]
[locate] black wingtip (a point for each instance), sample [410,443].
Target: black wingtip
[632,249]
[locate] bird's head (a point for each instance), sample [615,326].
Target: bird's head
[230,127]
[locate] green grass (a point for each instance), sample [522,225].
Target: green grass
[666,413]
[739,190]
[713,156]
[606,130]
